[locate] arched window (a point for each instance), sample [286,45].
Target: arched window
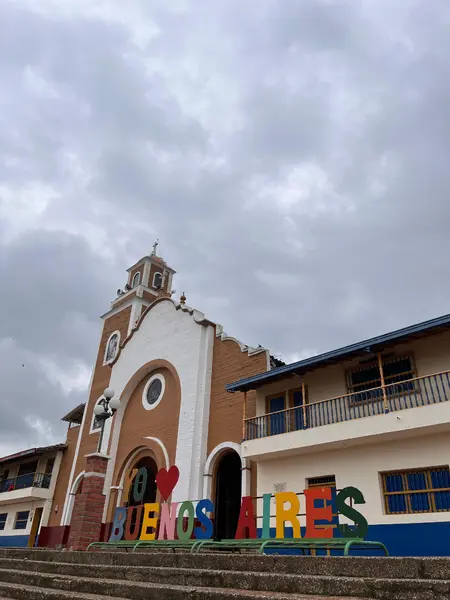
[157,280]
[112,346]
[136,279]
[96,423]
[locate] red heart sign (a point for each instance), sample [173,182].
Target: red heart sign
[167,480]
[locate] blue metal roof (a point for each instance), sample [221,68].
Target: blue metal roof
[372,344]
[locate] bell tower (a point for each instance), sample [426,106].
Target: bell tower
[148,279]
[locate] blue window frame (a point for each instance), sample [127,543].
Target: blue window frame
[22,519]
[417,491]
[3,517]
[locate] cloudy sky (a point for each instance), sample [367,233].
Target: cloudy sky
[291,155]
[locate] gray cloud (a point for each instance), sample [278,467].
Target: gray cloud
[290,156]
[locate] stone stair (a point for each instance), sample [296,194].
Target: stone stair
[52,575]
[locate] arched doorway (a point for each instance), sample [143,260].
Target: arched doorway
[149,465]
[228,492]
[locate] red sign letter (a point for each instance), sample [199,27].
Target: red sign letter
[314,513]
[246,520]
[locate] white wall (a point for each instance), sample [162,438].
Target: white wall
[360,467]
[174,335]
[12,510]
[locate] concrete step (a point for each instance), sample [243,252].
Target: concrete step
[55,587]
[29,592]
[380,567]
[156,583]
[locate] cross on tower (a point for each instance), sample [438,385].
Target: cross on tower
[155,245]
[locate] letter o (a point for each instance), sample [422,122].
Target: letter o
[188,507]
[140,482]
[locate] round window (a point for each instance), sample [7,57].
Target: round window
[153,392]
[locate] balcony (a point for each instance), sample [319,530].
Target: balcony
[31,485]
[429,390]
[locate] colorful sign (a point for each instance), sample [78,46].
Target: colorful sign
[169,521]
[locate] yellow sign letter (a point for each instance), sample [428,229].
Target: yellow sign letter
[287,514]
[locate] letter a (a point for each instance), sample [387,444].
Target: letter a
[246,520]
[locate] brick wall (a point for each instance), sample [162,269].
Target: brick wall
[161,422]
[100,381]
[89,503]
[231,364]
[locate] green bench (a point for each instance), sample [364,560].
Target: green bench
[311,545]
[135,544]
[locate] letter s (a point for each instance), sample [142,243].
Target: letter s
[206,533]
[360,531]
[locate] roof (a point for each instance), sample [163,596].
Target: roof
[371,345]
[32,452]
[75,415]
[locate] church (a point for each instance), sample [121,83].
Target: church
[168,366]
[169,387]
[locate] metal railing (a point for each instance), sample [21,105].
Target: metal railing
[39,480]
[411,393]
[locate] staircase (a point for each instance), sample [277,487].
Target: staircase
[52,575]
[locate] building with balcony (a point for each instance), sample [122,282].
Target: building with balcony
[27,484]
[374,415]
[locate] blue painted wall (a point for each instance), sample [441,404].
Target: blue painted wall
[405,539]
[14,541]
[413,539]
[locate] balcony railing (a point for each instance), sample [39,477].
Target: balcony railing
[39,480]
[411,393]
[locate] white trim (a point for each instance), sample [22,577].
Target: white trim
[135,314]
[163,448]
[97,454]
[211,461]
[67,514]
[145,403]
[138,276]
[106,362]
[94,474]
[146,273]
[201,428]
[162,280]
[121,307]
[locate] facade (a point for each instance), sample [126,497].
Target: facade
[168,364]
[27,484]
[374,415]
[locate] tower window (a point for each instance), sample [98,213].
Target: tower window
[153,392]
[112,347]
[157,280]
[136,279]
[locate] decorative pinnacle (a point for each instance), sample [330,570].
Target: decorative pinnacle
[183,299]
